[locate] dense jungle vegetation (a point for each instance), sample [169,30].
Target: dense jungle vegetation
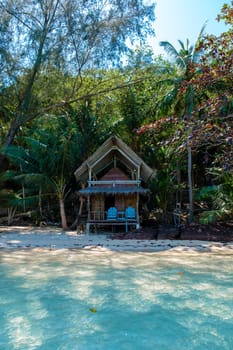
[70,79]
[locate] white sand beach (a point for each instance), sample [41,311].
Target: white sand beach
[54,238]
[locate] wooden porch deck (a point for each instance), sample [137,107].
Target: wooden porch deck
[98,219]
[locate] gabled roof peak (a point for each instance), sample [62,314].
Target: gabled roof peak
[113,147]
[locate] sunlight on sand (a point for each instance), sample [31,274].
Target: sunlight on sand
[56,239]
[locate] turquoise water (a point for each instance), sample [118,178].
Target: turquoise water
[68,300]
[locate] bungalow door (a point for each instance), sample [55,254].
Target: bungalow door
[109,202]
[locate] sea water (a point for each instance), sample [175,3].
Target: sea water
[95,300]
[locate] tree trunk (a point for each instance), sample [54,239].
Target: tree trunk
[12,131]
[190,182]
[40,202]
[22,113]
[63,214]
[189,108]
[77,220]
[178,179]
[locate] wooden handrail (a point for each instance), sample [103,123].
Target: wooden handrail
[114,182]
[98,215]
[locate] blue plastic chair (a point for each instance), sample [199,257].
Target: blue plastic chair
[130,213]
[112,213]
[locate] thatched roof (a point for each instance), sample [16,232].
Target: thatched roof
[103,156]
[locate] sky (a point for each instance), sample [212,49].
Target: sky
[182,19]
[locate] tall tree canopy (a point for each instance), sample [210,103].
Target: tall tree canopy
[69,35]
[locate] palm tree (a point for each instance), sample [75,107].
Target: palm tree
[45,166]
[185,60]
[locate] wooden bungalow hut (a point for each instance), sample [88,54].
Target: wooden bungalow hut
[113,180]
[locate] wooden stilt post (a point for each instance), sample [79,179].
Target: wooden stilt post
[88,202]
[88,215]
[137,209]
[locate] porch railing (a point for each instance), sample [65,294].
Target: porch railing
[101,216]
[114,183]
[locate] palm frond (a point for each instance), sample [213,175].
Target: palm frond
[181,44]
[176,55]
[35,144]
[33,178]
[200,35]
[7,198]
[27,201]
[197,52]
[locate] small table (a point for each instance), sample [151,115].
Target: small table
[121,215]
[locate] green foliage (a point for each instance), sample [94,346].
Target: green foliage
[218,198]
[163,185]
[45,162]
[7,195]
[61,101]
[130,110]
[39,37]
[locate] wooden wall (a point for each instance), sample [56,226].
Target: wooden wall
[121,202]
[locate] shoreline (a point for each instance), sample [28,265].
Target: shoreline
[16,237]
